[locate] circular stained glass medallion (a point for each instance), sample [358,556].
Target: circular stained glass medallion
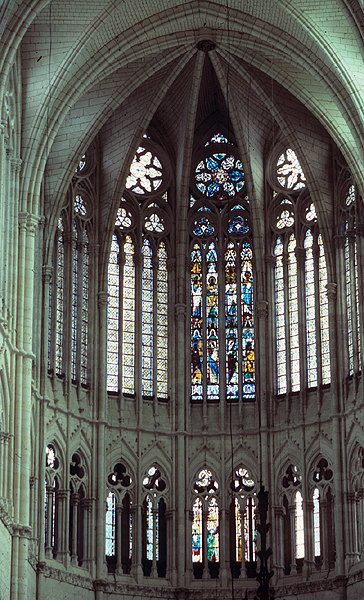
[219,176]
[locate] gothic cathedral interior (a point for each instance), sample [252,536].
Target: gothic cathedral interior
[182,299]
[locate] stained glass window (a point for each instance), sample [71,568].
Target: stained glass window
[138,283]
[128,316]
[250,530]
[238,533]
[79,301]
[196,323]
[69,287]
[145,172]
[324,315]
[113,317]
[213,531]
[289,171]
[59,299]
[292,294]
[280,320]
[316,522]
[219,176]
[110,549]
[147,320]
[197,531]
[352,285]
[162,323]
[293,315]
[239,326]
[310,312]
[149,532]
[247,321]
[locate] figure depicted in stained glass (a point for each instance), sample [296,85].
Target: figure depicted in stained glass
[196,322]
[247,292]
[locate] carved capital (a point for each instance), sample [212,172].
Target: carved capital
[261,308]
[331,291]
[339,241]
[75,499]
[87,503]
[102,298]
[94,249]
[47,273]
[180,310]
[171,263]
[300,255]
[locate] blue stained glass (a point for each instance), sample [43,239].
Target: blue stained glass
[213,531]
[220,175]
[212,325]
[212,164]
[247,321]
[238,225]
[196,323]
[231,322]
[197,531]
[203,227]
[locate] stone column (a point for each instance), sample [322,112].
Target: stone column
[87,553]
[75,499]
[262,314]
[309,560]
[224,546]
[100,461]
[136,568]
[48,541]
[119,513]
[361,521]
[337,432]
[63,530]
[279,542]
[205,572]
[180,465]
[292,521]
[171,547]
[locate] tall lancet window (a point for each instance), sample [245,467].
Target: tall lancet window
[300,276]
[69,286]
[222,323]
[137,352]
[350,209]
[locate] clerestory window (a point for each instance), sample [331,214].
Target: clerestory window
[221,276]
[137,352]
[300,275]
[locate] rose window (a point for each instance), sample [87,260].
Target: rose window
[289,171]
[145,174]
[219,176]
